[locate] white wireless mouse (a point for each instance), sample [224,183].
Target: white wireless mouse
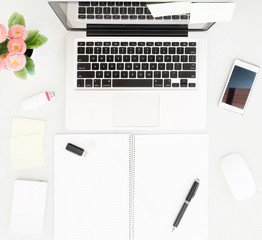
[238,176]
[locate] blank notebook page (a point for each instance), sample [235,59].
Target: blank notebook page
[166,167]
[92,193]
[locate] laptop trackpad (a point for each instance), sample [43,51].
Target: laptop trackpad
[136,110]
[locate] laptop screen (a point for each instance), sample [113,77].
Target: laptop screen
[75,15]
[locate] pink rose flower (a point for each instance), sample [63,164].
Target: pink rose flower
[3,33]
[15,61]
[16,45]
[17,31]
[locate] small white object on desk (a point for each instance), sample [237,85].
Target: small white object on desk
[238,177]
[37,100]
[167,9]
[28,206]
[211,12]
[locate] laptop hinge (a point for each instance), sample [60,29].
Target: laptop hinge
[150,30]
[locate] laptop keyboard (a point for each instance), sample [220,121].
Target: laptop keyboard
[120,11]
[161,65]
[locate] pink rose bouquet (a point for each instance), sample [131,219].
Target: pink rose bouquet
[16,46]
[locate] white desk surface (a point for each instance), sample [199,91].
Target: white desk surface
[242,38]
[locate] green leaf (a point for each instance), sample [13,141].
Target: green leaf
[16,18]
[38,42]
[31,36]
[22,74]
[30,66]
[3,47]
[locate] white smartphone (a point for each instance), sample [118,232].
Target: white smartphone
[239,86]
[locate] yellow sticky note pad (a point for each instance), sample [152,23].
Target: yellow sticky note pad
[27,151]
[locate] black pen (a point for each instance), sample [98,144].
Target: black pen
[189,197]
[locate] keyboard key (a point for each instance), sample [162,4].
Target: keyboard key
[143,58]
[103,66]
[115,10]
[99,16]
[90,44]
[81,50]
[118,58]
[192,44]
[155,50]
[85,74]
[183,84]
[173,74]
[89,83]
[190,50]
[175,17]
[115,74]
[102,4]
[149,74]
[98,44]
[139,11]
[80,83]
[98,10]
[153,66]
[184,58]
[128,66]
[178,66]
[116,16]
[144,66]
[83,66]
[93,58]
[90,10]
[106,10]
[106,83]
[82,10]
[183,44]
[189,66]
[124,74]
[94,3]
[133,16]
[167,83]
[192,58]
[101,58]
[134,58]
[114,50]
[165,74]
[120,66]
[126,58]
[192,85]
[106,50]
[175,84]
[99,74]
[147,50]
[167,17]
[183,81]
[140,74]
[84,3]
[163,50]
[169,66]
[161,66]
[187,74]
[81,44]
[115,44]
[107,74]
[90,16]
[123,10]
[89,50]
[112,66]
[109,58]
[136,4]
[183,17]
[151,58]
[158,83]
[122,50]
[97,50]
[167,43]
[167,58]
[111,4]
[180,50]
[82,58]
[176,58]
[119,4]
[172,50]
[131,10]
[130,50]
[150,17]
[141,44]
[97,83]
[157,74]
[132,74]
[159,58]
[139,50]
[175,43]
[107,16]
[132,83]
[124,16]
[81,16]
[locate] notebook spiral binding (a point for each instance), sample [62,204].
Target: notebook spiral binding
[131,186]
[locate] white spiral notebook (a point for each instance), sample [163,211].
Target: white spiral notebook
[130,187]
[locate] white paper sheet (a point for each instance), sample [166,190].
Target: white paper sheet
[28,206]
[167,9]
[92,194]
[211,12]
[166,167]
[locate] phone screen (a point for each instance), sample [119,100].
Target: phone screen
[238,87]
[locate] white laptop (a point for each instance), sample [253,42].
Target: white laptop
[127,70]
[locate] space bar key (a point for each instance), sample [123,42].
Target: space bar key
[132,83]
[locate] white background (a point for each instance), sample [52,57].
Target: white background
[242,38]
